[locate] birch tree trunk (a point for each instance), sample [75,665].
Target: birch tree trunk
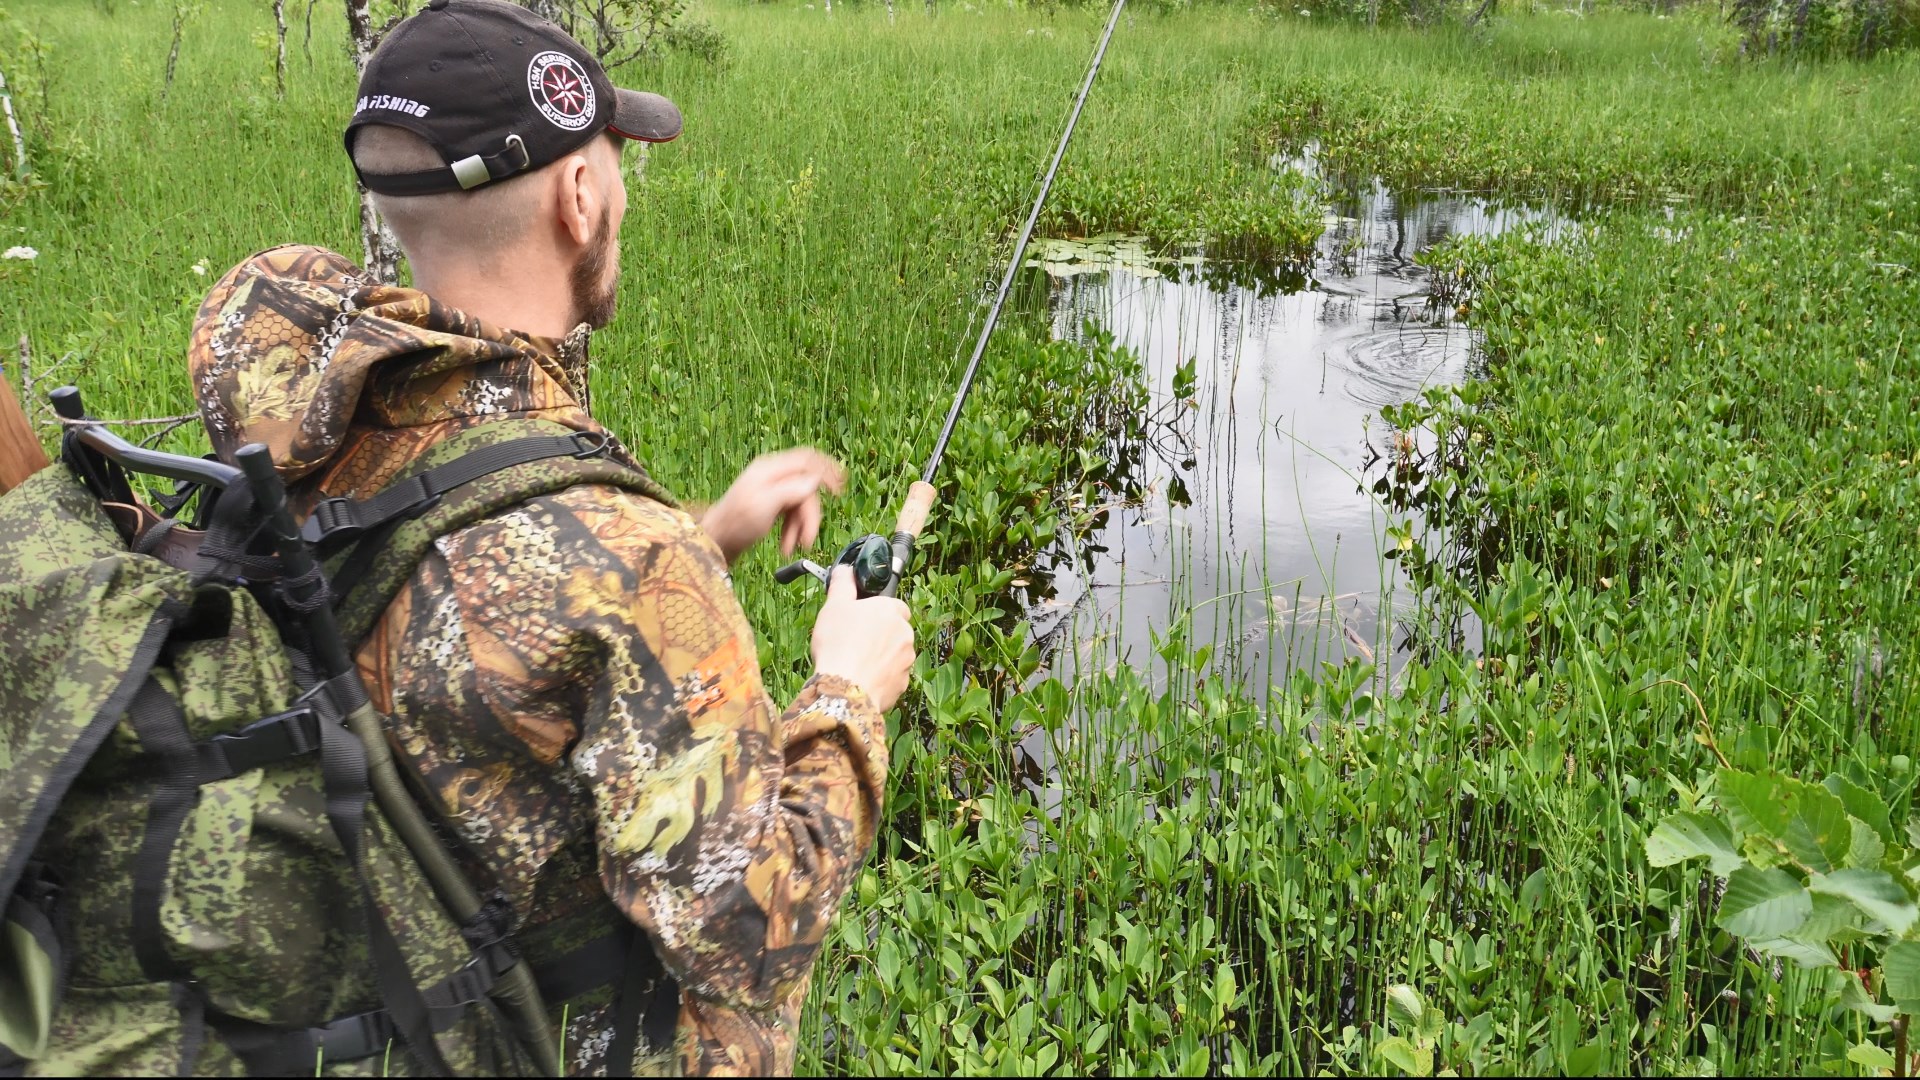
[382,250]
[173,51]
[280,59]
[20,166]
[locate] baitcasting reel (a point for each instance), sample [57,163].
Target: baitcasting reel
[876,570]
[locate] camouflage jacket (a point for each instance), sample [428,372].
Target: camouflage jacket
[572,679]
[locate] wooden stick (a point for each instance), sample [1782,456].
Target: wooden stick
[20,452]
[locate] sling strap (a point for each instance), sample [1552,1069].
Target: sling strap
[338,520]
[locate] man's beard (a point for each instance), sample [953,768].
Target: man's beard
[592,300]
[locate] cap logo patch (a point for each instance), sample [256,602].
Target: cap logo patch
[560,90]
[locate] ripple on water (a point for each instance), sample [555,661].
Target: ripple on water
[1259,532]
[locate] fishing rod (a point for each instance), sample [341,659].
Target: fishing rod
[878,561]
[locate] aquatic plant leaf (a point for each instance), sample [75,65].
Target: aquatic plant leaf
[1689,836]
[1900,964]
[1764,904]
[1870,1056]
[1853,995]
[1866,849]
[1404,1006]
[1753,803]
[1831,915]
[1863,804]
[1807,954]
[1878,896]
[1808,821]
[1818,833]
[1405,1056]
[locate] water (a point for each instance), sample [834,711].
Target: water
[1253,532]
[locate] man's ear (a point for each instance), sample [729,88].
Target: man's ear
[579,204]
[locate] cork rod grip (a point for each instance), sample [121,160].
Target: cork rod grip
[913,513]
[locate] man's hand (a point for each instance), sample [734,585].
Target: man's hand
[867,642]
[786,486]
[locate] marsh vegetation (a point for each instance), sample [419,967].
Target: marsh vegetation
[1669,481]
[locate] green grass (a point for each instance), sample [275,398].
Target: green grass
[1692,461]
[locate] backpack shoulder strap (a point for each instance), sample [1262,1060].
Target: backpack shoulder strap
[374,545]
[381,540]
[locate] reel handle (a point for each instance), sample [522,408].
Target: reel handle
[877,561]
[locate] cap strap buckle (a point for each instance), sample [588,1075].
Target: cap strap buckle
[475,170]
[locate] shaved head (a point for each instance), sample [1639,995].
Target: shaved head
[556,224]
[480,224]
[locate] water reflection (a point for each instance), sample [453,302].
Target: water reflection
[1251,530]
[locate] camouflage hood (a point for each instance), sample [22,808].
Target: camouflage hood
[299,349]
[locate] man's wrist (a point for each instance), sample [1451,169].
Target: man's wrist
[828,684]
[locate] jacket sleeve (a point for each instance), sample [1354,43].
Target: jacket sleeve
[728,830]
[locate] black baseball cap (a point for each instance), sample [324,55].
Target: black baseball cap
[498,91]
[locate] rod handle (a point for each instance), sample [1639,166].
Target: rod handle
[914,512]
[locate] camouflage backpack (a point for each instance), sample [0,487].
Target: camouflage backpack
[209,862]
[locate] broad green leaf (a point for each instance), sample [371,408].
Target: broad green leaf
[1866,849]
[1830,916]
[1808,954]
[1404,1006]
[1870,1056]
[1808,821]
[1764,904]
[1854,996]
[1755,804]
[1225,988]
[1901,966]
[1818,833]
[1874,892]
[1863,804]
[1408,1058]
[1587,1060]
[1689,836]
[1762,853]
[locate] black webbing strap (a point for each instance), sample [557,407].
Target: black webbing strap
[337,520]
[268,1051]
[223,553]
[343,779]
[162,729]
[278,737]
[163,733]
[648,1006]
[462,175]
[317,722]
[600,962]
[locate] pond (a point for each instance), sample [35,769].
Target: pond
[1252,530]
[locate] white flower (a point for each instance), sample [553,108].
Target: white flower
[26,253]
[200,268]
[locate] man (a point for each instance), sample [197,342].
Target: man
[572,680]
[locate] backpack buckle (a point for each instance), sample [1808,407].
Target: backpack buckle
[332,518]
[263,742]
[592,444]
